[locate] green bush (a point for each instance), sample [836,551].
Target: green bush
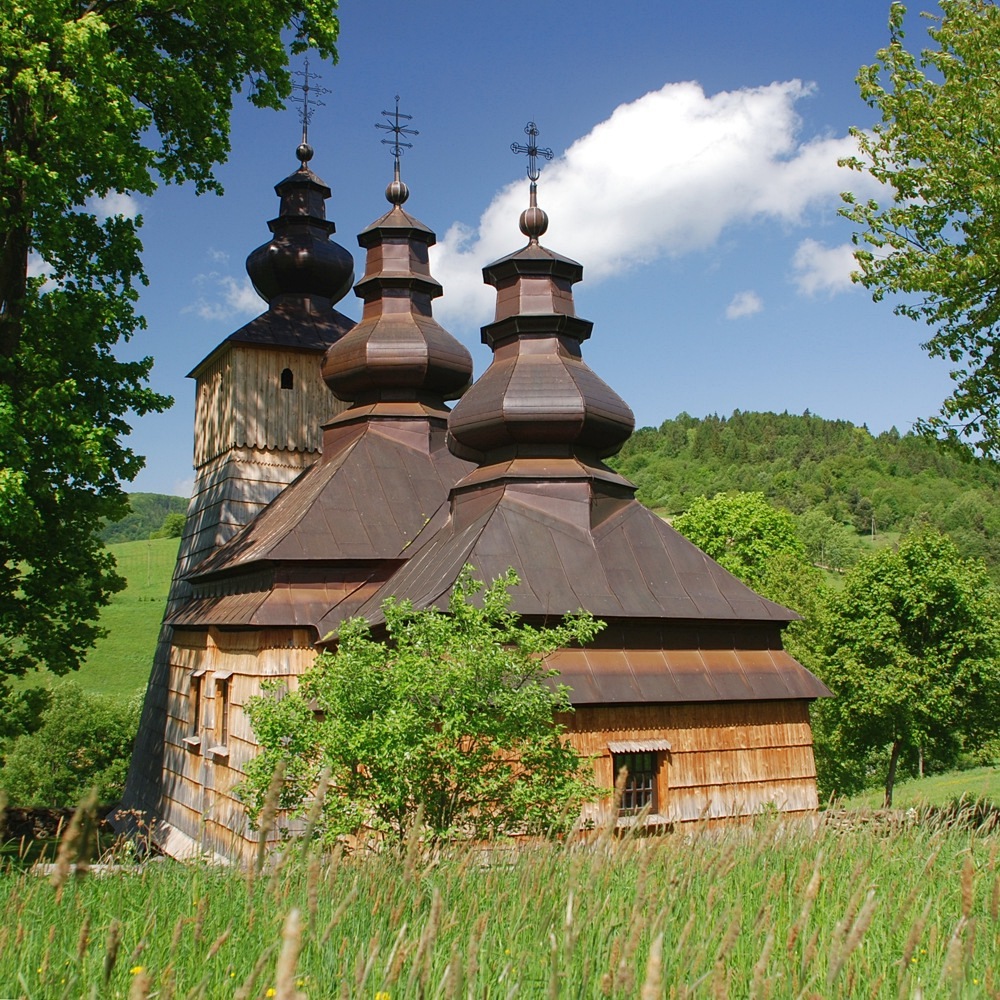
[84,741]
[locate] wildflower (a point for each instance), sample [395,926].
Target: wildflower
[382,995]
[136,969]
[271,991]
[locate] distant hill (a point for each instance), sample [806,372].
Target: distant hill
[146,515]
[872,483]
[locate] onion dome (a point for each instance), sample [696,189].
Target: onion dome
[398,352]
[301,260]
[538,398]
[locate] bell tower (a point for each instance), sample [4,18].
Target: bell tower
[260,398]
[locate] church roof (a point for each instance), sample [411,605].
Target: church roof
[385,468]
[572,550]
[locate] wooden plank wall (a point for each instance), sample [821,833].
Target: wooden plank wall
[727,759]
[213,410]
[281,419]
[240,403]
[199,798]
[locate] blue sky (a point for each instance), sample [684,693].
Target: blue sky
[695,179]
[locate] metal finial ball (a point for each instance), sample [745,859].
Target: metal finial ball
[304,152]
[534,222]
[396,192]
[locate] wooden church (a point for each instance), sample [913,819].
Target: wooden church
[331,474]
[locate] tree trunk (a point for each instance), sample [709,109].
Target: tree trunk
[890,779]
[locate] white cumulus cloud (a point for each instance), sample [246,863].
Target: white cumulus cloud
[819,268]
[744,304]
[225,298]
[115,203]
[664,175]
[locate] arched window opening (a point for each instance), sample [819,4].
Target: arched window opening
[287,379]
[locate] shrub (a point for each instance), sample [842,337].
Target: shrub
[84,741]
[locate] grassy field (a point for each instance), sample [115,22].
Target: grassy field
[937,790]
[120,663]
[770,911]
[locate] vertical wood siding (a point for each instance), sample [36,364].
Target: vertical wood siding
[240,403]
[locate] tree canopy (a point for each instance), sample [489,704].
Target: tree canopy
[911,650]
[743,533]
[935,239]
[451,716]
[98,100]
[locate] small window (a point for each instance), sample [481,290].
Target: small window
[195,708]
[194,703]
[640,783]
[287,379]
[222,711]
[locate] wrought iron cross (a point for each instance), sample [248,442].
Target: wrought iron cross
[307,88]
[398,130]
[531,130]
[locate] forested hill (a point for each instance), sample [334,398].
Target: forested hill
[147,512]
[805,463]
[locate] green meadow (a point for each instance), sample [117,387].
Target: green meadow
[778,910]
[120,662]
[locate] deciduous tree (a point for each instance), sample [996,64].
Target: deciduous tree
[745,534]
[452,715]
[911,650]
[96,100]
[935,238]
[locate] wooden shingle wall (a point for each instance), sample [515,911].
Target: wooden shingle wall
[727,759]
[198,797]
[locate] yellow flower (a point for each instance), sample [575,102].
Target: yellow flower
[136,969]
[271,991]
[382,995]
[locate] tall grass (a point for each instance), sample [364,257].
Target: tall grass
[771,911]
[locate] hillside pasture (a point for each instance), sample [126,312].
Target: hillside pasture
[119,664]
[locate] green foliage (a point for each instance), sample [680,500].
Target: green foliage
[83,741]
[911,650]
[828,543]
[21,710]
[743,533]
[803,463]
[147,514]
[452,716]
[172,527]
[935,240]
[97,99]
